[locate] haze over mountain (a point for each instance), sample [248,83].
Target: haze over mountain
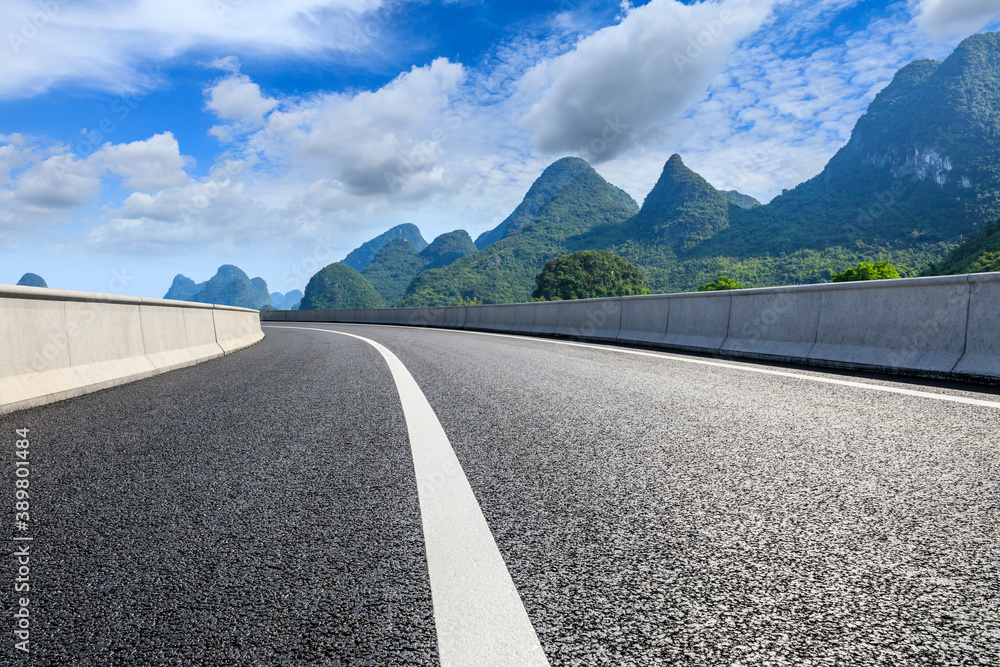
[287,301]
[230,286]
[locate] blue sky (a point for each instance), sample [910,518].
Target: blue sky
[143,139]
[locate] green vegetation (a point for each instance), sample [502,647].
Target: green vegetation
[867,271]
[720,284]
[338,287]
[230,286]
[504,272]
[920,174]
[397,263]
[32,280]
[740,199]
[359,258]
[588,274]
[393,269]
[979,254]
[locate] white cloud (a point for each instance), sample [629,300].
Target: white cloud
[621,83]
[237,98]
[944,19]
[60,182]
[104,44]
[385,142]
[149,166]
[13,154]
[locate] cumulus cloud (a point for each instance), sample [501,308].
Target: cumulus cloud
[150,165]
[60,182]
[621,83]
[383,142]
[236,98]
[945,19]
[104,44]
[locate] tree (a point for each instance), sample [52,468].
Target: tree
[722,283]
[588,274]
[338,286]
[867,271]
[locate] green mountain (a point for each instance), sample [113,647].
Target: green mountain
[230,286]
[740,199]
[338,286]
[920,173]
[543,191]
[393,269]
[568,199]
[359,258]
[32,280]
[980,254]
[396,265]
[183,288]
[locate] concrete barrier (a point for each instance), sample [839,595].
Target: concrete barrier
[590,319]
[644,319]
[545,317]
[698,321]
[940,327]
[775,323]
[476,317]
[982,341]
[173,342]
[914,324]
[507,318]
[56,344]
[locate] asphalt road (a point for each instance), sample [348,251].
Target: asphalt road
[650,508]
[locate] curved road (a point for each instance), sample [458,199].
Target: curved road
[649,508]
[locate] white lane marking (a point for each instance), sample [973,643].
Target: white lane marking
[478,613]
[720,364]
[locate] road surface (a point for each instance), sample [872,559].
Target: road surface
[648,508]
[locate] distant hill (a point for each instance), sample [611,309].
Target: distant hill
[398,263]
[32,280]
[183,288]
[740,199]
[979,254]
[338,286]
[287,301]
[359,258]
[568,199]
[544,190]
[230,286]
[920,174]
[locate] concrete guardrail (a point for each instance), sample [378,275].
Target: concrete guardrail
[56,344]
[945,327]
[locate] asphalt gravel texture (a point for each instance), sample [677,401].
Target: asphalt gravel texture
[261,509]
